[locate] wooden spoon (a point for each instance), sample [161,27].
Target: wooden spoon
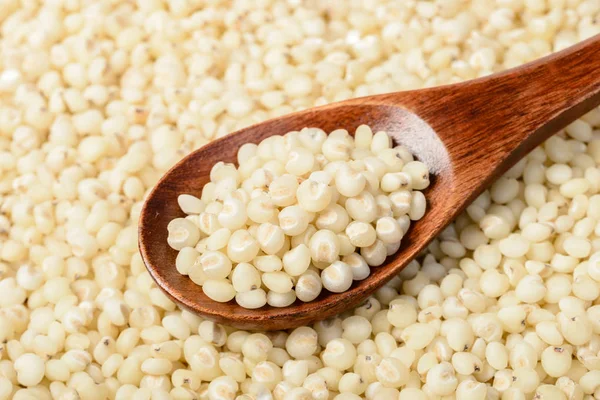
[467,133]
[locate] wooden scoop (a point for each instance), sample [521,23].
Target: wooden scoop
[467,133]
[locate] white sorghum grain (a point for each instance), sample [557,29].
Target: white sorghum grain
[98,99]
[308,286]
[302,342]
[29,369]
[441,379]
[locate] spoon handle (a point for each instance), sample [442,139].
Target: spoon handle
[490,123]
[525,106]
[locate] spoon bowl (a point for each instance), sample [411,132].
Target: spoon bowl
[467,134]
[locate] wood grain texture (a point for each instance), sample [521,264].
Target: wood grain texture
[468,133]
